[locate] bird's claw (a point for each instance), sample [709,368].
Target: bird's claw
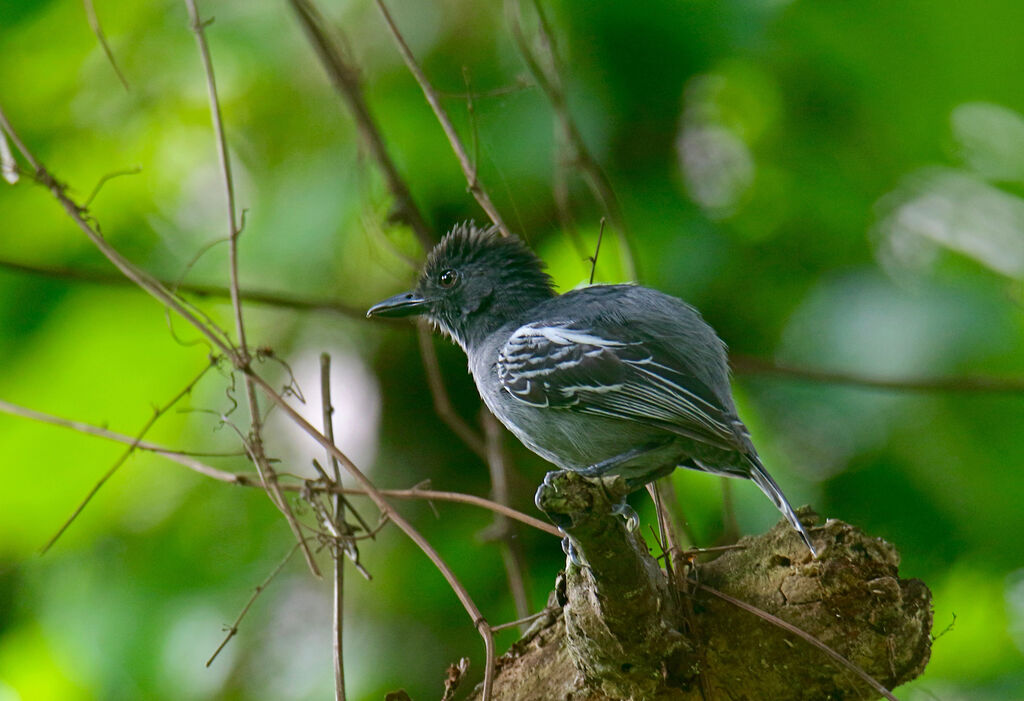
[626,511]
[570,551]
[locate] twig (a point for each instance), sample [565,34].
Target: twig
[233,629]
[511,548]
[24,412]
[749,365]
[471,115]
[141,278]
[157,413]
[789,627]
[560,192]
[339,517]
[335,488]
[446,123]
[677,518]
[731,527]
[520,621]
[741,364]
[442,403]
[138,276]
[456,585]
[223,343]
[184,459]
[948,628]
[694,552]
[108,177]
[8,166]
[273,299]
[345,78]
[597,252]
[94,23]
[460,498]
[550,82]
[255,442]
[665,537]
[520,84]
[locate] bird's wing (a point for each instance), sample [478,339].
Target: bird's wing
[555,365]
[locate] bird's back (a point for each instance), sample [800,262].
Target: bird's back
[674,331]
[602,369]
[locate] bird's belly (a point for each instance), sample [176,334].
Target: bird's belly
[575,441]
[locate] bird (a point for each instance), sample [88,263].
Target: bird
[602,380]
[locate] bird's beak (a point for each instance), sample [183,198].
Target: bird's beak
[405,304]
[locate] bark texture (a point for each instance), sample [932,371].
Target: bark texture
[619,629]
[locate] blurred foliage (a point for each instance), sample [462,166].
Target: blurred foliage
[835,185]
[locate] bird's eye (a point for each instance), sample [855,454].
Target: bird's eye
[448,278]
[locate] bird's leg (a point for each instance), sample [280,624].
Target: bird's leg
[563,521]
[623,508]
[600,469]
[608,465]
[635,483]
[626,511]
[570,551]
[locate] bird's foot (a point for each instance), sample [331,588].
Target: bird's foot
[570,552]
[547,500]
[630,516]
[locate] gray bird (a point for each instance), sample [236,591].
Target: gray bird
[602,380]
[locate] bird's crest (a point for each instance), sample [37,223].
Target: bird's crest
[486,247]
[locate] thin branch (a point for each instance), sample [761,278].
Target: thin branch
[8,166]
[560,192]
[789,627]
[223,343]
[749,365]
[339,516]
[94,23]
[138,276]
[233,629]
[446,123]
[460,498]
[333,487]
[666,536]
[676,518]
[184,459]
[471,115]
[730,526]
[157,413]
[520,84]
[273,299]
[551,83]
[89,429]
[521,621]
[741,364]
[511,547]
[141,278]
[597,252]
[255,442]
[345,78]
[107,178]
[456,585]
[196,25]
[442,403]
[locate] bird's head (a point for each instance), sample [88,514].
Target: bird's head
[474,281]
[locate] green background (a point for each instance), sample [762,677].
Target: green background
[835,185]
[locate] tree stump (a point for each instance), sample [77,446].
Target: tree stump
[625,631]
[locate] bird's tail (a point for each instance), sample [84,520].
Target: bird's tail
[763,480]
